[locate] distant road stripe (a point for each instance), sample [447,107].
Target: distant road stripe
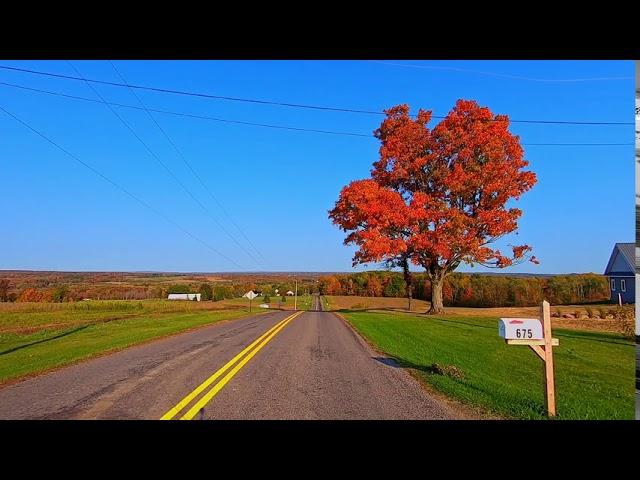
[193,411]
[186,400]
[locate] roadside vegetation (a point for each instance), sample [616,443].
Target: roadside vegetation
[463,357]
[35,337]
[596,317]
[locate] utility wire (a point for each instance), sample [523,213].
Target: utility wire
[168,170]
[190,115]
[502,75]
[181,155]
[281,104]
[283,127]
[119,187]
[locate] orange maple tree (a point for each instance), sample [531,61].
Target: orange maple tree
[438,197]
[31,295]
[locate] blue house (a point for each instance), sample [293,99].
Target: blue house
[621,271]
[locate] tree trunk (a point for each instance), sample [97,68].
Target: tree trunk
[408,280]
[436,295]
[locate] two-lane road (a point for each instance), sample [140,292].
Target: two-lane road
[280,365]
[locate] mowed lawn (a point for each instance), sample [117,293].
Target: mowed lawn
[66,333]
[594,371]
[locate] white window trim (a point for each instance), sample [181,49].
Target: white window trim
[613,284]
[623,285]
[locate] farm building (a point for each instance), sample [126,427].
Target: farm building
[184,296]
[290,293]
[621,271]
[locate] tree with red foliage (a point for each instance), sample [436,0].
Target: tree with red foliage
[30,295]
[374,286]
[438,196]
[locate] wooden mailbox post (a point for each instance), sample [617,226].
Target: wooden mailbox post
[537,335]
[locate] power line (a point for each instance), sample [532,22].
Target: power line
[281,104]
[181,155]
[177,180]
[190,115]
[119,187]
[196,94]
[282,127]
[502,75]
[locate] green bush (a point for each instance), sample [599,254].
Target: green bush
[206,291]
[60,293]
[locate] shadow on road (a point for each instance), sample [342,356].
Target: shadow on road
[390,362]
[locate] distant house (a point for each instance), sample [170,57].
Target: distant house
[290,293]
[621,271]
[184,296]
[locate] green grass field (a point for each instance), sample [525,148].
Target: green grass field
[35,316]
[594,371]
[59,334]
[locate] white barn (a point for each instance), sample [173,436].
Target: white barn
[184,296]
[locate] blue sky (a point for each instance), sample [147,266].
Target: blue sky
[278,185]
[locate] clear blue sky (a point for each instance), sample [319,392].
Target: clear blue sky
[278,184]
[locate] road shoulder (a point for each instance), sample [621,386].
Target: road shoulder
[457,409]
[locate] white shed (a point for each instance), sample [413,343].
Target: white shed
[290,293]
[184,296]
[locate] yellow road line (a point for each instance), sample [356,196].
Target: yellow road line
[193,411]
[186,400]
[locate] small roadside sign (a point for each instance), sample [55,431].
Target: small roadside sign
[250,295]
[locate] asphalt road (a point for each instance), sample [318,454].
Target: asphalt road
[312,366]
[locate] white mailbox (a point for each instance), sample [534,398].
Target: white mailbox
[520,329]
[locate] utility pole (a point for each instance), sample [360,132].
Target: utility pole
[295,298]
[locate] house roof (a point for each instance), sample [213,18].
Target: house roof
[628,253]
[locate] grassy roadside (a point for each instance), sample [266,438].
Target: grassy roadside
[28,354]
[579,313]
[594,371]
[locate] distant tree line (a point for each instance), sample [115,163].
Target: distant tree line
[46,290]
[474,290]
[459,289]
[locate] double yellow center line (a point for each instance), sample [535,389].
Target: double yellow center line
[240,360]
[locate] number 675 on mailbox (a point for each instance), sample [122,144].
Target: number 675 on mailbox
[520,329]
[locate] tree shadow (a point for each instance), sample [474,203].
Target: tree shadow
[427,317]
[379,309]
[388,361]
[20,347]
[399,362]
[536,407]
